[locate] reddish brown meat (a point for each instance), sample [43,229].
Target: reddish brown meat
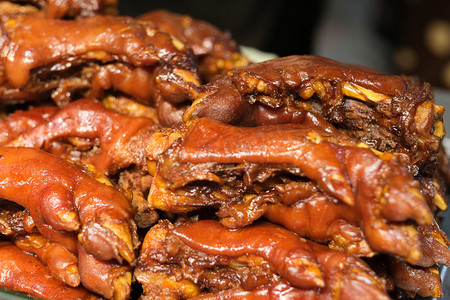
[425,282]
[216,51]
[107,278]
[84,57]
[22,272]
[121,138]
[202,169]
[62,199]
[390,113]
[213,255]
[61,263]
[21,121]
[71,8]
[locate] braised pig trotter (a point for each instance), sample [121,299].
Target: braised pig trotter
[389,113]
[85,56]
[214,49]
[60,195]
[35,278]
[211,252]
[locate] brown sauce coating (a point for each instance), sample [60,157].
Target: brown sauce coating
[425,282]
[89,55]
[191,168]
[336,154]
[61,263]
[291,256]
[56,39]
[61,200]
[21,121]
[70,9]
[120,137]
[216,51]
[35,278]
[107,278]
[341,272]
[390,113]
[17,224]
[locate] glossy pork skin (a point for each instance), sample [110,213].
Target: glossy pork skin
[63,200]
[64,59]
[215,50]
[35,278]
[121,137]
[202,246]
[343,169]
[388,112]
[68,9]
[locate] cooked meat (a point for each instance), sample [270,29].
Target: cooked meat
[64,201]
[389,113]
[21,121]
[121,138]
[202,258]
[425,282]
[70,8]
[299,177]
[215,50]
[107,278]
[61,263]
[243,171]
[85,57]
[35,278]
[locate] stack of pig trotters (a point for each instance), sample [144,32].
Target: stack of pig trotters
[147,158]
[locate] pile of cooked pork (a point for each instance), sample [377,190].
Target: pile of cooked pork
[147,158]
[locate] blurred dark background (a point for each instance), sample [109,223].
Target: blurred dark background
[282,27]
[395,36]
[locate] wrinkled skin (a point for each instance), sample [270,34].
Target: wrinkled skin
[89,56]
[21,121]
[207,240]
[64,201]
[121,138]
[35,278]
[350,285]
[17,224]
[390,113]
[425,282]
[61,263]
[107,278]
[342,169]
[367,201]
[434,245]
[341,226]
[216,51]
[87,131]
